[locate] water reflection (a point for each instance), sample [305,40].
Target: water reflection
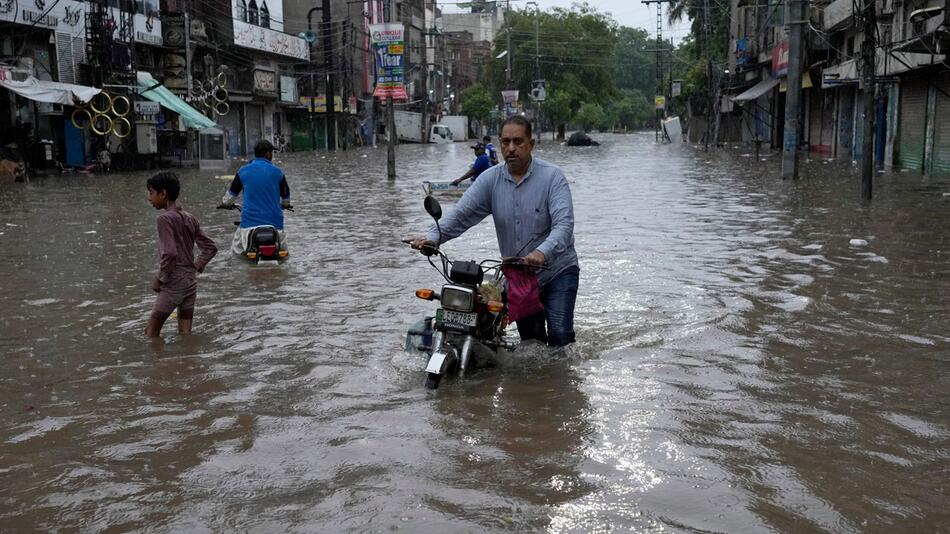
[522,434]
[740,367]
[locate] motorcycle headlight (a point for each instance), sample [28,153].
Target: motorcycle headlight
[458,298]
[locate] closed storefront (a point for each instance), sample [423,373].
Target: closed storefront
[845,121]
[912,126]
[941,149]
[231,124]
[254,122]
[821,119]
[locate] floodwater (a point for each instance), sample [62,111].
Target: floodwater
[740,367]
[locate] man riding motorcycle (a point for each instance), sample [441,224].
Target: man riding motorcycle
[265,192]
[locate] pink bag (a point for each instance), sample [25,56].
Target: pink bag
[524,293]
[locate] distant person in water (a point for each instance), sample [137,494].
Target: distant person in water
[490,150]
[178,234]
[481,164]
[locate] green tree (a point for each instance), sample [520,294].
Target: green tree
[631,111]
[476,103]
[557,108]
[591,116]
[635,64]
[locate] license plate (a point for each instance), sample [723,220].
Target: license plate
[458,318]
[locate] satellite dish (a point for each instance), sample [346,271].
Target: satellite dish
[309,36]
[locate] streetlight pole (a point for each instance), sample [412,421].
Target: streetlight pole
[537,68]
[313,87]
[508,55]
[331,77]
[391,119]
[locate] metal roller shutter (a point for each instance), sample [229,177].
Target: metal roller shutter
[912,129]
[941,153]
[254,132]
[231,124]
[814,119]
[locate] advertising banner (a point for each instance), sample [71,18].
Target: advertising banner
[780,60]
[387,41]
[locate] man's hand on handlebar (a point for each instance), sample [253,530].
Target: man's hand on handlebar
[421,244]
[534,259]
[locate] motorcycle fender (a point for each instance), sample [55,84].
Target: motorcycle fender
[435,362]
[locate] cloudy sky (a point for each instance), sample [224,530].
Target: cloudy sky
[627,12]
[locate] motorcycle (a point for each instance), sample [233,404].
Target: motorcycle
[263,242]
[468,329]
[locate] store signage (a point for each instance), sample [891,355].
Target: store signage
[265,83]
[510,96]
[288,89]
[319,103]
[145,107]
[387,40]
[267,40]
[148,29]
[65,16]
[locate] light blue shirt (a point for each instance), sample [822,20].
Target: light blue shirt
[536,213]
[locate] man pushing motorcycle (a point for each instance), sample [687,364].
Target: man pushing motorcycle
[530,203]
[266,195]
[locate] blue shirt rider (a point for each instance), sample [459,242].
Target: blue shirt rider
[482,164]
[490,150]
[265,194]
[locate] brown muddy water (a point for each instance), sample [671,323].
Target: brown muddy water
[740,367]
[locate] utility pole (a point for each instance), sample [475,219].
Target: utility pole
[709,75]
[869,97]
[188,80]
[659,59]
[391,119]
[331,76]
[793,98]
[313,83]
[508,38]
[536,85]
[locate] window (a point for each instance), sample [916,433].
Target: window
[265,15]
[253,13]
[242,10]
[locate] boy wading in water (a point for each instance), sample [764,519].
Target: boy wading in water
[178,233]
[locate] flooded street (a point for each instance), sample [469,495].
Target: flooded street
[739,366]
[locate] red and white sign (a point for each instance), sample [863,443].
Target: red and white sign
[780,60]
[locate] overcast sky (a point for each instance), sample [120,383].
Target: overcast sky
[626,12]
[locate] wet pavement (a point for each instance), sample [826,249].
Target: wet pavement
[740,367]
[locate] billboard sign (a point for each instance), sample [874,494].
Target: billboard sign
[389,48]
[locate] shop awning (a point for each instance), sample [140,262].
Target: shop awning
[51,92]
[151,89]
[756,90]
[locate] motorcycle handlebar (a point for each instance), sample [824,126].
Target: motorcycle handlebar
[237,207]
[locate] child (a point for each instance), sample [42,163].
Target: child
[178,233]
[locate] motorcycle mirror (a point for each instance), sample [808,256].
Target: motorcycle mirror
[432,207]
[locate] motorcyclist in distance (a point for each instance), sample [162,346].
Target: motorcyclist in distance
[266,195]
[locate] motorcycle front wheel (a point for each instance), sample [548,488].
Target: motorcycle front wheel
[433,380]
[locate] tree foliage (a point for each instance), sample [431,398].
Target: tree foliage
[584,56]
[591,116]
[476,102]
